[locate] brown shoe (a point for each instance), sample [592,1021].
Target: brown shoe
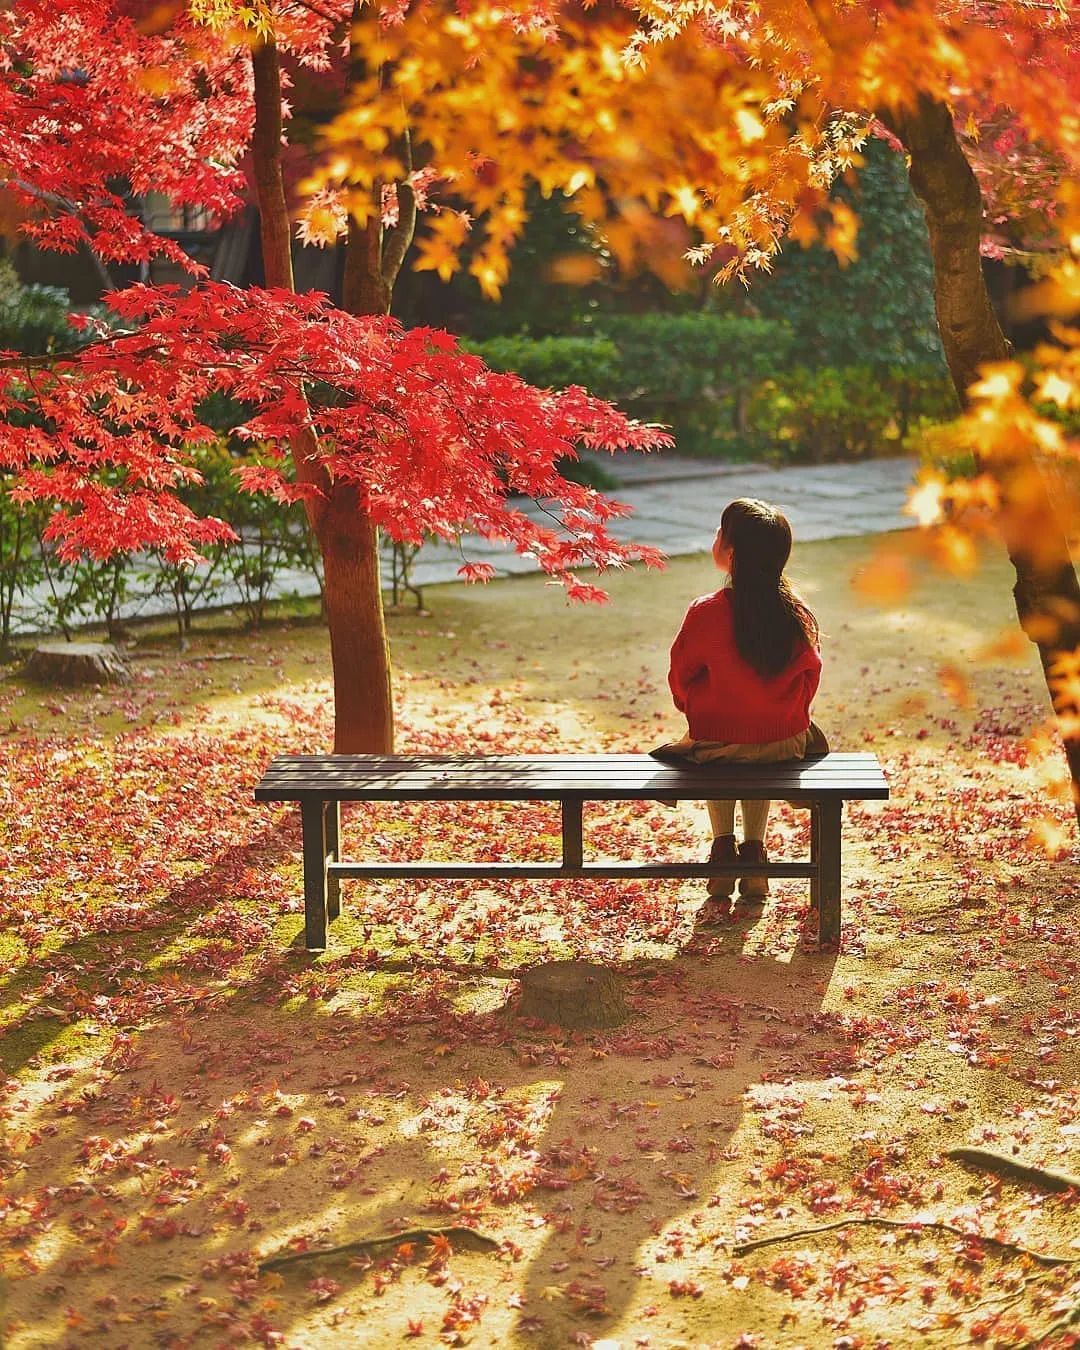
[753,888]
[723,852]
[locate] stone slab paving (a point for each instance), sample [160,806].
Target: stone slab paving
[676,507]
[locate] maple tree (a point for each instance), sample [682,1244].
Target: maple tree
[384,429]
[653,120]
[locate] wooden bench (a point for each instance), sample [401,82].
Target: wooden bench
[320,783]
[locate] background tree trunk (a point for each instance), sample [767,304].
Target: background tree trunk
[347,539]
[1047,593]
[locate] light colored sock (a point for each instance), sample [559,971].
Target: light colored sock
[755,816]
[722,817]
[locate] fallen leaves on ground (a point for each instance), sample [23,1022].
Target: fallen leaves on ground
[189,1094]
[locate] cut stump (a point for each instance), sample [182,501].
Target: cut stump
[573,994]
[71,663]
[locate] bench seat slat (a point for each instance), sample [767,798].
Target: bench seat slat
[712,792]
[609,763]
[509,763]
[551,777]
[584,781]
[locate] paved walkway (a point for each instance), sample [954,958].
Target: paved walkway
[677,505]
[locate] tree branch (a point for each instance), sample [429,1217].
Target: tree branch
[464,1237]
[913,1226]
[54,199]
[983,1160]
[397,240]
[398,237]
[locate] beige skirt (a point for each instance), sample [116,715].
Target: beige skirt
[812,741]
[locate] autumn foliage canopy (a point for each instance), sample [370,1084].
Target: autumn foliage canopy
[666,126]
[429,435]
[432,441]
[671,130]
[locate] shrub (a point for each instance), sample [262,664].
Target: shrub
[693,372]
[845,412]
[554,362]
[273,538]
[20,559]
[33,319]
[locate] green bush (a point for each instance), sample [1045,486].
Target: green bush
[20,560]
[693,372]
[33,319]
[554,362]
[273,536]
[682,358]
[845,412]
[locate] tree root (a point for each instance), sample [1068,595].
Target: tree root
[912,1226]
[1062,1325]
[983,1160]
[461,1237]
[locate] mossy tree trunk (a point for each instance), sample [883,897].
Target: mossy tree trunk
[1046,592]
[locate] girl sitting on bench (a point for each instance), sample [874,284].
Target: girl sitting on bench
[745,668]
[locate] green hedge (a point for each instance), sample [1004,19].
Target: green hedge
[846,412]
[734,387]
[555,362]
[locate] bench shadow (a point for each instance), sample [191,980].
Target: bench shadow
[327,1124]
[629,1154]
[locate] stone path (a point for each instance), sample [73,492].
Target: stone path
[676,507]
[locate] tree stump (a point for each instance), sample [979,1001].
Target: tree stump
[573,994]
[71,663]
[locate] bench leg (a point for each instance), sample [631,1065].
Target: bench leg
[313,817]
[333,849]
[571,832]
[815,856]
[829,872]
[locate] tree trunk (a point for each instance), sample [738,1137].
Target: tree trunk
[1046,592]
[275,233]
[364,289]
[363,711]
[363,708]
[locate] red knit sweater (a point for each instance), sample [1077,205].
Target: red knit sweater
[723,697]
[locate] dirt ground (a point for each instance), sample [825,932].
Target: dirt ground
[756,1158]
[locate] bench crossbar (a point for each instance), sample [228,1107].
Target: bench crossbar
[608,871]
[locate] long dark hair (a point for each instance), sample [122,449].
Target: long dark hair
[770,619]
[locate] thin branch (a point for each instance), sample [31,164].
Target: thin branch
[334,19]
[464,1237]
[984,1160]
[72,208]
[914,1227]
[398,237]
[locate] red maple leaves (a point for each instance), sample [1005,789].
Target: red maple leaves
[433,442]
[98,101]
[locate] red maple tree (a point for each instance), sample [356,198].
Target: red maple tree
[369,426]
[732,118]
